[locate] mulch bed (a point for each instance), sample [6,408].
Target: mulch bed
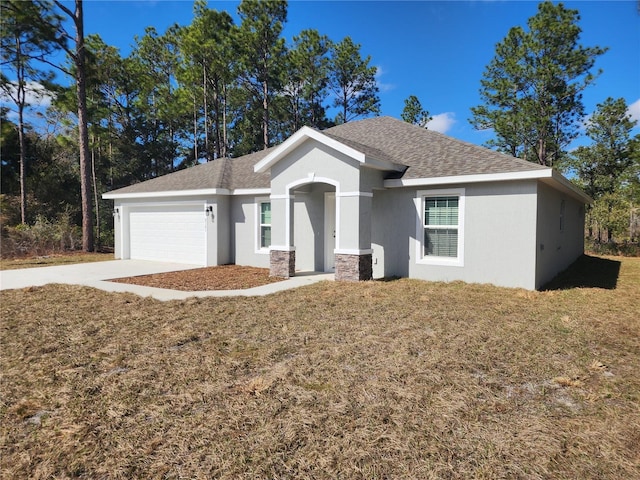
[223,277]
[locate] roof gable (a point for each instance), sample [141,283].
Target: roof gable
[352,150]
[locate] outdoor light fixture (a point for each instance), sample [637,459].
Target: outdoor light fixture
[209,211]
[116,211]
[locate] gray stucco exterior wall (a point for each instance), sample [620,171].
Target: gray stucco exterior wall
[221,223]
[560,233]
[499,235]
[244,234]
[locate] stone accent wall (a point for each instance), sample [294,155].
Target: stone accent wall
[354,268]
[282,263]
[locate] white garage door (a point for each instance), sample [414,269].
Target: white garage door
[168,234]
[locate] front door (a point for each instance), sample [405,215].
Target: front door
[329,231]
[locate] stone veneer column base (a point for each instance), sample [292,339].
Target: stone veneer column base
[353,268]
[282,263]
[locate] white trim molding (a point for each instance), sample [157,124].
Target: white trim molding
[258,224]
[167,193]
[297,139]
[309,180]
[187,193]
[250,191]
[457,179]
[355,194]
[286,196]
[422,259]
[353,251]
[546,175]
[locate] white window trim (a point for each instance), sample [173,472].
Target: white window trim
[258,248]
[458,261]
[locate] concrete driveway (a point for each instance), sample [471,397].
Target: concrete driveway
[97,274]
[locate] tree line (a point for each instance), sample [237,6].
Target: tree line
[532,100]
[216,88]
[193,93]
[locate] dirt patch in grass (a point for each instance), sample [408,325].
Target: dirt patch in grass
[54,259]
[399,379]
[224,277]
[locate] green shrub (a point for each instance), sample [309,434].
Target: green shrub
[44,237]
[623,249]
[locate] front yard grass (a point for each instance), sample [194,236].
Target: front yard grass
[398,379]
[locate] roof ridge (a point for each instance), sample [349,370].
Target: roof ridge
[434,133]
[474,145]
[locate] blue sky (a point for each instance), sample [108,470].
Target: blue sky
[436,50]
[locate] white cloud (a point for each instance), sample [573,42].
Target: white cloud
[383,87]
[634,110]
[36,95]
[442,122]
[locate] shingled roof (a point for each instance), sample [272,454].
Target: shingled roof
[224,173]
[425,153]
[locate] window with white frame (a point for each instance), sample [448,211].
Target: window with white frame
[264,228]
[440,232]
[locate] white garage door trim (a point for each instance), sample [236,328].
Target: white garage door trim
[168,233]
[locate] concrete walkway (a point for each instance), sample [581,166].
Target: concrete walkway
[98,274]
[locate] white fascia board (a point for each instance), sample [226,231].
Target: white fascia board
[547,175]
[251,191]
[566,186]
[485,177]
[297,139]
[168,193]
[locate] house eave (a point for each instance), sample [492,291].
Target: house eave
[187,193]
[558,181]
[548,176]
[476,178]
[166,193]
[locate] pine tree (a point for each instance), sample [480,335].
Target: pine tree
[27,33]
[532,89]
[353,82]
[414,113]
[605,168]
[261,55]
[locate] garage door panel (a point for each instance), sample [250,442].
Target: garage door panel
[173,234]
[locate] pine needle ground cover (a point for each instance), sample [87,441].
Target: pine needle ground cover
[398,379]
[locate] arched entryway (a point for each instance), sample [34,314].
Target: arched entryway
[313,227]
[305,170]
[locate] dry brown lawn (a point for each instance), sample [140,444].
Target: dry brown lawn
[398,379]
[53,259]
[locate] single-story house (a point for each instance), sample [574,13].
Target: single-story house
[367,199]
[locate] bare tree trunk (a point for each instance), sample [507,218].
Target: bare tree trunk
[195,131]
[21,100]
[95,192]
[23,161]
[85,173]
[78,57]
[265,115]
[216,122]
[542,153]
[206,112]
[224,122]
